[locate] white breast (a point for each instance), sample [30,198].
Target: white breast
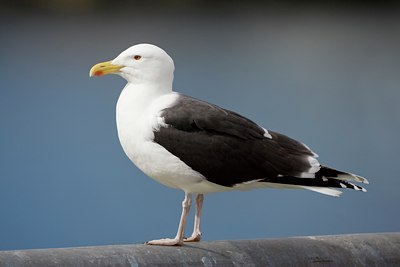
[138,115]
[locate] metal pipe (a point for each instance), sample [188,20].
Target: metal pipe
[342,250]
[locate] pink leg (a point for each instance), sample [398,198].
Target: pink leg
[196,235]
[178,240]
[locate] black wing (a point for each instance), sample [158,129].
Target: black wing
[226,147]
[193,115]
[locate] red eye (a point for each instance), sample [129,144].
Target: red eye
[137,57]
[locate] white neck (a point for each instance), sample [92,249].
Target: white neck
[133,109]
[136,97]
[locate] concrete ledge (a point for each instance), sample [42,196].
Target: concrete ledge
[343,250]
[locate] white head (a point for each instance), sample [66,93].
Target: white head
[142,63]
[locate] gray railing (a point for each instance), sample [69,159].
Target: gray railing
[342,250]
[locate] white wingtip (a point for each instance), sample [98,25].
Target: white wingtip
[364,180]
[352,177]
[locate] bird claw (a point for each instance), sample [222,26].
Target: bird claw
[193,238]
[165,242]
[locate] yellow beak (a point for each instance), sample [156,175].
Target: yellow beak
[104,68]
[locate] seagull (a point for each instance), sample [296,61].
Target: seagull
[198,147]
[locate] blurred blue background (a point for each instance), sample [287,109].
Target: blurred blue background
[328,76]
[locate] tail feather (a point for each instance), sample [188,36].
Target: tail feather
[324,190]
[326,179]
[326,172]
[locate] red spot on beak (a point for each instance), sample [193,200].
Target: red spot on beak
[98,73]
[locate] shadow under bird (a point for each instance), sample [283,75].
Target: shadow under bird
[198,147]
